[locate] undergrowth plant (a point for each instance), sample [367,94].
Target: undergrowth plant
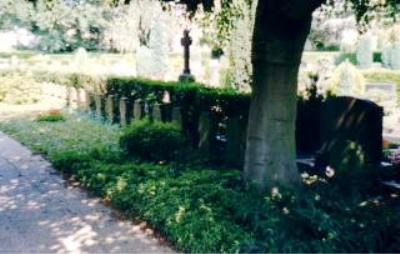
[207,210]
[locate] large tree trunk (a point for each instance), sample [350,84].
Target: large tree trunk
[280,32]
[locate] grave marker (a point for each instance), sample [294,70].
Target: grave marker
[109,108]
[348,122]
[98,104]
[137,110]
[123,111]
[236,141]
[186,42]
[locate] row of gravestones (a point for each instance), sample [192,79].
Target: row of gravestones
[123,110]
[341,122]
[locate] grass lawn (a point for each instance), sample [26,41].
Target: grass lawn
[209,210]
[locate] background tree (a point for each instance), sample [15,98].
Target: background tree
[279,36]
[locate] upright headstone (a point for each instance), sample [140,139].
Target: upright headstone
[236,141]
[81,98]
[129,109]
[177,116]
[81,59]
[98,103]
[365,51]
[123,111]
[110,108]
[144,62]
[395,56]
[157,112]
[350,123]
[347,81]
[205,132]
[159,49]
[387,56]
[89,102]
[137,110]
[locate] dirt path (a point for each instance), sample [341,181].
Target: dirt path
[39,212]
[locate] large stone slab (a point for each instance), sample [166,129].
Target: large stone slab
[350,125]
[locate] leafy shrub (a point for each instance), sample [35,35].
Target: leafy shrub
[351,57]
[153,141]
[51,116]
[203,210]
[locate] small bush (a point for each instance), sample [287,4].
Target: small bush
[152,141]
[51,116]
[351,57]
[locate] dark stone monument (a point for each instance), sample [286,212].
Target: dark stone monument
[236,130]
[205,134]
[176,116]
[186,41]
[350,123]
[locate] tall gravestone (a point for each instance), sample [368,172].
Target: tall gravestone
[348,123]
[123,111]
[109,107]
[205,132]
[99,105]
[236,141]
[156,112]
[137,110]
[395,56]
[365,51]
[186,42]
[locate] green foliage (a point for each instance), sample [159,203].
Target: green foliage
[203,210]
[152,140]
[377,57]
[52,116]
[351,57]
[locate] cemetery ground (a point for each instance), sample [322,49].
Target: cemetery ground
[200,207]
[148,171]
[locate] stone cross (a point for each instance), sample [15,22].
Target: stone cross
[186,41]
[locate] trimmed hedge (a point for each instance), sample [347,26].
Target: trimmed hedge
[191,98]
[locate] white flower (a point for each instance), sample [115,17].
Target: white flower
[329,171]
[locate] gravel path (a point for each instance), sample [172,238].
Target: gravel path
[40,212]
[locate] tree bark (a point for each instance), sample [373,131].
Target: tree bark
[280,32]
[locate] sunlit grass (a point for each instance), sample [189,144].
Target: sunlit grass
[79,132]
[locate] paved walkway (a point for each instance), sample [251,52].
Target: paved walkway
[39,212]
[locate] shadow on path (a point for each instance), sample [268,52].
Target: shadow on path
[40,213]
